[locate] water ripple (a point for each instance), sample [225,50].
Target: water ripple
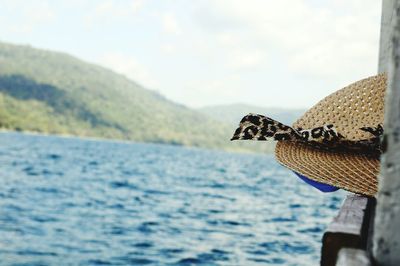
[67,201]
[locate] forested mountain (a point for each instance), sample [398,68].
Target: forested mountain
[51,92]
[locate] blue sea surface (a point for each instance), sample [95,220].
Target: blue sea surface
[69,201]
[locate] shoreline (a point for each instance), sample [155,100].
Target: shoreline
[120,141]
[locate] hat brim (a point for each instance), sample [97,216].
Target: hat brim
[353,172]
[360,104]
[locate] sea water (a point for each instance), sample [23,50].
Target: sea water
[69,201]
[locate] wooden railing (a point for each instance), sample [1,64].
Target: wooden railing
[349,231]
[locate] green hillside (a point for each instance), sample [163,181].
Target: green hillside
[51,92]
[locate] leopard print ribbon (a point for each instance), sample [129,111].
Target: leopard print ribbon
[259,127]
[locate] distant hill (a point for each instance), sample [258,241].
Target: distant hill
[233,113]
[55,93]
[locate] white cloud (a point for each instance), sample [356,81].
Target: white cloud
[324,40]
[168,48]
[241,59]
[170,24]
[136,5]
[29,15]
[109,10]
[130,67]
[211,91]
[40,13]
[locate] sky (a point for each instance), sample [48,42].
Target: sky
[269,53]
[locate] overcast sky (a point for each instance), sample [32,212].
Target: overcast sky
[286,53]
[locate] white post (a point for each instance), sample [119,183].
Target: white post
[386,238]
[385,46]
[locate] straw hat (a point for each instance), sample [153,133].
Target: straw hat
[355,114]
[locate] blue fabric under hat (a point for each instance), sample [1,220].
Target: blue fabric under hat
[320,186]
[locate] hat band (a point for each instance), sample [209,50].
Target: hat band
[326,137]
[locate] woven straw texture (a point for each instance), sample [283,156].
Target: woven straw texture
[357,105]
